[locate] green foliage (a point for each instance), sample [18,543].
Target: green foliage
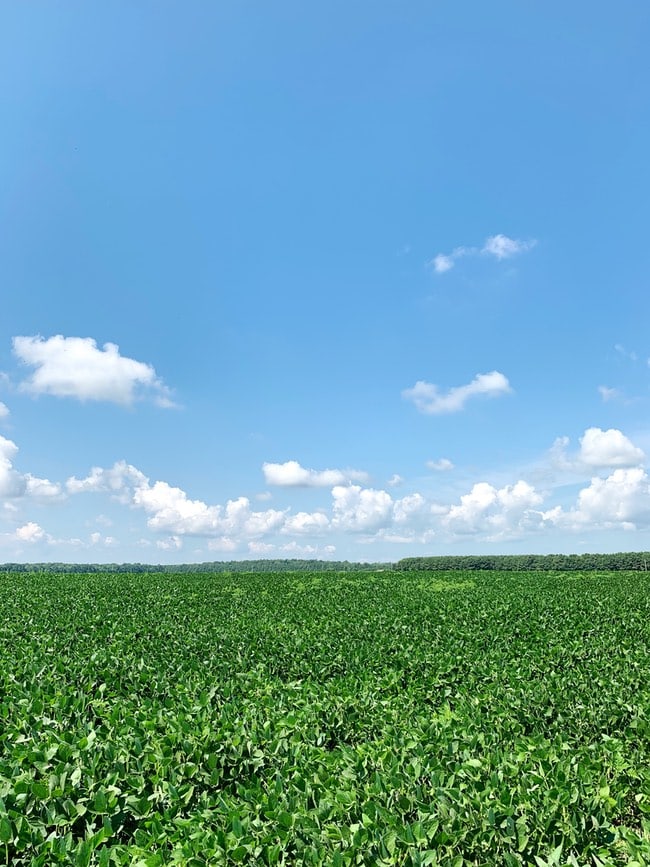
[325,719]
[257,566]
[626,561]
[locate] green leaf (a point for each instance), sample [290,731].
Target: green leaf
[6,831]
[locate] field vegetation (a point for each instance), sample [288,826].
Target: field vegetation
[381,718]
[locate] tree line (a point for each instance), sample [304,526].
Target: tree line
[639,561]
[277,565]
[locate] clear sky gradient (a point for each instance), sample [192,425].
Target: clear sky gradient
[348,280]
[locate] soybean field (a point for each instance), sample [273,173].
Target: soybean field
[444,718]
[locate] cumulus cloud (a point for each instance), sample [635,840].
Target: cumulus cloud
[30,532]
[306,524]
[498,246]
[485,511]
[4,410]
[620,500]
[291,474]
[440,466]
[608,448]
[360,509]
[408,508]
[75,367]
[429,400]
[117,480]
[368,511]
[42,489]
[172,511]
[12,483]
[599,449]
[499,513]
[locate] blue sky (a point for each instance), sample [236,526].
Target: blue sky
[359,281]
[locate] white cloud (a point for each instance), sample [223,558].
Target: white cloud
[291,474]
[30,532]
[370,511]
[440,466]
[395,480]
[599,449]
[608,448]
[622,499]
[428,398]
[359,509]
[499,513]
[498,246]
[4,410]
[75,367]
[442,263]
[306,524]
[12,483]
[97,539]
[117,480]
[41,488]
[485,512]
[503,247]
[409,508]
[172,511]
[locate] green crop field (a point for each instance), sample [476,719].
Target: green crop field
[459,718]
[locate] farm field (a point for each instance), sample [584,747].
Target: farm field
[460,718]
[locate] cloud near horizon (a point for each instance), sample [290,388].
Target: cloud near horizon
[75,367]
[618,499]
